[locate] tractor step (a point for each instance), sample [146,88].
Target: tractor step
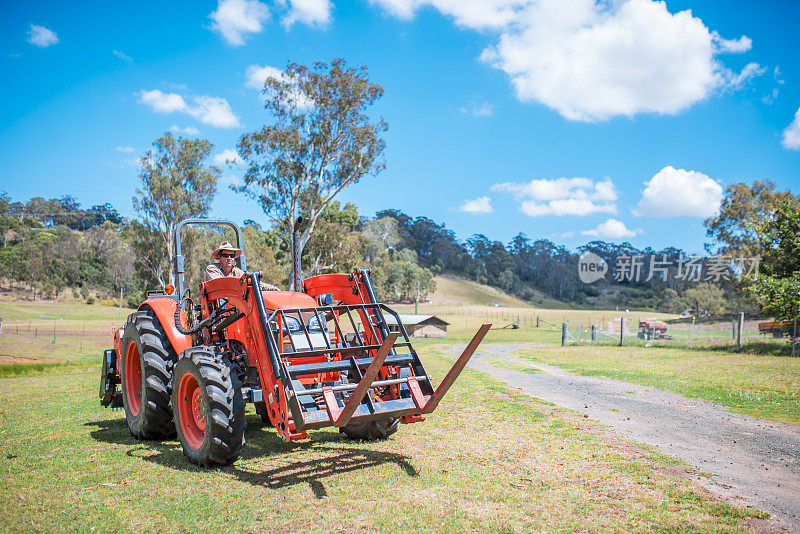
[343,365]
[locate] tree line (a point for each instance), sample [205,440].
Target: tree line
[320,139]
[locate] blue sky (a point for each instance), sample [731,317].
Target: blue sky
[563,119]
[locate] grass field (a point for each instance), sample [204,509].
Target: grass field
[43,335]
[760,385]
[489,459]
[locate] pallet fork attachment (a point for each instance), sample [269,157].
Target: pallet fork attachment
[420,397]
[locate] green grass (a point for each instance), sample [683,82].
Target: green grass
[489,459]
[78,335]
[764,386]
[21,369]
[514,366]
[16,310]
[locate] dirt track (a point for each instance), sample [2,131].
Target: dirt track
[751,461]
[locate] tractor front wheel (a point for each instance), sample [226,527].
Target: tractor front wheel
[146,370]
[209,407]
[371,430]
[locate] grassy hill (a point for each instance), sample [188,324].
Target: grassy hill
[455,291]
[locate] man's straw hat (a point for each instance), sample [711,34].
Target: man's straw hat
[226,245]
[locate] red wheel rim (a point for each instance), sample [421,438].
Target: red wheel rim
[133,378]
[191,411]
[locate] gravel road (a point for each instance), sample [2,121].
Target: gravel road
[751,461]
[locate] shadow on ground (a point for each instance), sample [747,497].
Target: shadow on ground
[330,457]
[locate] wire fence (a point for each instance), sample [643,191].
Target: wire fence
[645,329]
[723,333]
[52,337]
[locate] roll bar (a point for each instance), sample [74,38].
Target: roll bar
[177,262]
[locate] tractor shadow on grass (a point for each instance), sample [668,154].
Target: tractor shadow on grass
[321,456]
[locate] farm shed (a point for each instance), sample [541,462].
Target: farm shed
[419,325]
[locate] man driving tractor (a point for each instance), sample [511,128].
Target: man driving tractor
[226,255]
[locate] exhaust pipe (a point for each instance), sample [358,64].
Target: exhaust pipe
[296,255]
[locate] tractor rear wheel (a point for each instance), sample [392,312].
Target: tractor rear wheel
[146,369]
[371,430]
[209,407]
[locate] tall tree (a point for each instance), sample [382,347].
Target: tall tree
[734,229]
[176,183]
[778,283]
[320,140]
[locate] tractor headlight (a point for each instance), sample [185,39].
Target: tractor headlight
[291,324]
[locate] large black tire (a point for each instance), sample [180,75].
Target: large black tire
[371,430]
[147,407]
[209,408]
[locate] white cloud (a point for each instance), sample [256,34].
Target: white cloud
[228,155]
[122,55]
[778,79]
[235,19]
[736,46]
[479,206]
[679,193]
[234,181]
[475,14]
[791,135]
[479,110]
[750,71]
[591,60]
[207,109]
[189,130]
[214,111]
[611,229]
[163,102]
[563,196]
[41,36]
[257,75]
[311,12]
[125,149]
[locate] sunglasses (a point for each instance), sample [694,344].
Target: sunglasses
[230,255]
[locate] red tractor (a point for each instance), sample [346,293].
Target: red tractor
[308,359]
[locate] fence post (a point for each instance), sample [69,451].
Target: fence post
[537,321]
[794,334]
[594,332]
[739,333]
[691,334]
[563,334]
[621,330]
[580,334]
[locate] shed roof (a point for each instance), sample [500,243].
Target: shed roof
[412,319]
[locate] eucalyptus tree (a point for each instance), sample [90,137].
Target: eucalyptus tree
[319,141]
[176,183]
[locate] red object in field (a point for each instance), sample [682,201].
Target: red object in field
[651,329]
[323,356]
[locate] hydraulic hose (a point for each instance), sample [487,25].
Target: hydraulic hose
[196,328]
